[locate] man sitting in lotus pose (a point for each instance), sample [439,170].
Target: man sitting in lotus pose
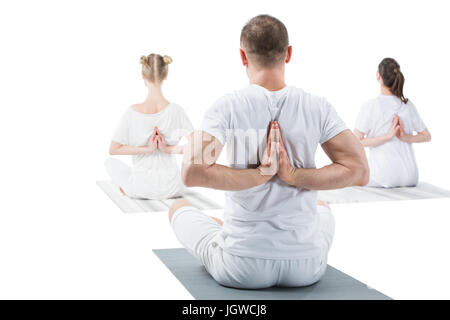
[275,232]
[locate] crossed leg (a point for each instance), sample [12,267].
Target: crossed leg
[184,203]
[197,232]
[120,174]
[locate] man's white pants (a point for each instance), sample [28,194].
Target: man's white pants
[197,232]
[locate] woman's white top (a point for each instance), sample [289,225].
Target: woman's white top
[158,170]
[392,164]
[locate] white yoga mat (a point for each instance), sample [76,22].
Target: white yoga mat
[129,205]
[369,194]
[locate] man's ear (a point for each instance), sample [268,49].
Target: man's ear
[243,57]
[288,54]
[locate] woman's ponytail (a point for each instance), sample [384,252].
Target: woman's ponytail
[393,78]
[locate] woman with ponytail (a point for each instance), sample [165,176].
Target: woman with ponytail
[388,125]
[150,132]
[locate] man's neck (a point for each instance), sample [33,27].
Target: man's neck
[271,79]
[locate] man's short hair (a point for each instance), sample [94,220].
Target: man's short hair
[265,39]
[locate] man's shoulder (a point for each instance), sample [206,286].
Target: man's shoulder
[222,102]
[307,100]
[308,96]
[255,90]
[235,97]
[254,93]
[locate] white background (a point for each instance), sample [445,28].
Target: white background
[68,70]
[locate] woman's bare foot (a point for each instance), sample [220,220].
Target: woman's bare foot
[220,222]
[123,192]
[322,203]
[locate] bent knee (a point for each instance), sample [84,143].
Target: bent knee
[177,205]
[109,164]
[301,280]
[249,283]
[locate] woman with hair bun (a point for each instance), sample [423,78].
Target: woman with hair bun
[150,132]
[388,125]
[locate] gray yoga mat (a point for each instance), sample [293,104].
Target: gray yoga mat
[370,194]
[129,205]
[335,285]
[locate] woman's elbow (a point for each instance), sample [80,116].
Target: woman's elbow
[112,151]
[425,136]
[114,148]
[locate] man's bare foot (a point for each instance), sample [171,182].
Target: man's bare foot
[123,192]
[177,205]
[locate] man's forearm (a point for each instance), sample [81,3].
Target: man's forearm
[221,177]
[333,176]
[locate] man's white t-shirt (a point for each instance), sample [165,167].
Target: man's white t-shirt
[392,164]
[272,220]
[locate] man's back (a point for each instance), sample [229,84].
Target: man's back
[272,220]
[273,234]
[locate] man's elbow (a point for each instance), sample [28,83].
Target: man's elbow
[362,175]
[190,174]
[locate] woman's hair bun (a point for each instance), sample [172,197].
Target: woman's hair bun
[167,60]
[144,60]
